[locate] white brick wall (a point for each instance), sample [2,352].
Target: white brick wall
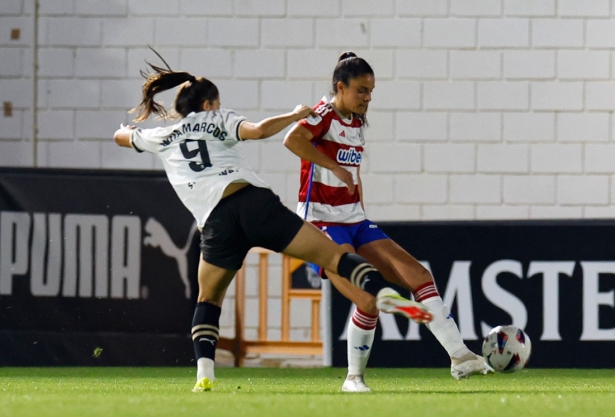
[494,95]
[476,8]
[13,153]
[475,127]
[598,95]
[479,188]
[449,158]
[233,33]
[421,126]
[529,8]
[557,96]
[529,189]
[297,32]
[445,95]
[482,109]
[421,189]
[403,33]
[449,33]
[503,158]
[503,33]
[529,127]
[525,64]
[421,64]
[578,190]
[395,158]
[600,33]
[583,65]
[599,158]
[484,65]
[583,127]
[557,33]
[574,8]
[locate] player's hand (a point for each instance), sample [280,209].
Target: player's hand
[345,177]
[129,127]
[304,111]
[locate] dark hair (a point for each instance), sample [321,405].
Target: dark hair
[349,66]
[189,98]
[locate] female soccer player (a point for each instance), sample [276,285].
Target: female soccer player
[234,209]
[331,148]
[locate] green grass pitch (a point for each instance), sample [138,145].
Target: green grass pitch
[255,392]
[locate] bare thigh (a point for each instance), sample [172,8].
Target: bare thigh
[395,264]
[213,282]
[311,245]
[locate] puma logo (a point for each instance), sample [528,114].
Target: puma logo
[157,237]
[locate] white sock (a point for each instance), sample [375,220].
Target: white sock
[205,369]
[443,325]
[361,331]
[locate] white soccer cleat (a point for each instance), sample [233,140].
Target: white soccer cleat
[472,366]
[355,383]
[389,301]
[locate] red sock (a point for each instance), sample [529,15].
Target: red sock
[363,320]
[426,291]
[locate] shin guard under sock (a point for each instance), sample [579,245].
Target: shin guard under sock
[205,329]
[361,273]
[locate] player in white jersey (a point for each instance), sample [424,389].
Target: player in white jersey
[331,148]
[234,209]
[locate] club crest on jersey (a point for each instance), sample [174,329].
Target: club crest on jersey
[313,120]
[349,156]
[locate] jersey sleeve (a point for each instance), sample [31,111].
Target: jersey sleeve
[317,125]
[231,122]
[147,140]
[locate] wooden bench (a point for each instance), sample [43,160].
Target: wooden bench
[239,346]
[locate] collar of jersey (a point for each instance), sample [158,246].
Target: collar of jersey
[347,120]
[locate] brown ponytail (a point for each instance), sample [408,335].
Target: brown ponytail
[189,98]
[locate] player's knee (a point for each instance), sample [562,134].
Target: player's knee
[348,263]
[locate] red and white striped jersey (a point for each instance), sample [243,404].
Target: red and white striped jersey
[323,198]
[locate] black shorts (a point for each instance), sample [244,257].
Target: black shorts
[250,217]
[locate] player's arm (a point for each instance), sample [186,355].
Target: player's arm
[298,142]
[123,136]
[272,125]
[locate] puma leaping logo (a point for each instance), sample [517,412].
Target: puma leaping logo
[157,237]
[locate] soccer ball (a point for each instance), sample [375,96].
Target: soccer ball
[507,348]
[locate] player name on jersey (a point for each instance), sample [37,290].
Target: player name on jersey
[210,128]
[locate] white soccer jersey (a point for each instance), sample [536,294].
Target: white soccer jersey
[324,198]
[200,156]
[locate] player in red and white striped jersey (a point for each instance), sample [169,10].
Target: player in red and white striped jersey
[331,149]
[323,197]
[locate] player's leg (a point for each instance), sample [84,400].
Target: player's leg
[268,223]
[401,268]
[361,328]
[213,283]
[360,332]
[311,245]
[223,248]
[360,338]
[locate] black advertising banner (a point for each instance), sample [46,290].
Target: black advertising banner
[555,279]
[96,268]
